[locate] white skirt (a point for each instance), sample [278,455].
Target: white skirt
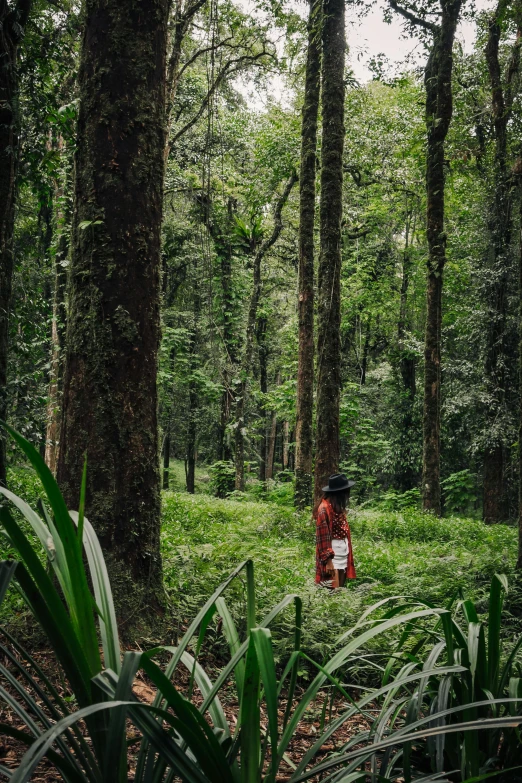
[341,549]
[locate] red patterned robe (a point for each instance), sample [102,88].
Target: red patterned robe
[323,543]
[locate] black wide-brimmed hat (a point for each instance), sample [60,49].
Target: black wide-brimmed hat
[338,483]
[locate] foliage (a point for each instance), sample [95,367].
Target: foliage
[491,671]
[459,491]
[396,553]
[222,478]
[398,501]
[176,739]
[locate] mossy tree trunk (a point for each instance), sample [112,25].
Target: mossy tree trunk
[439,110]
[519,559]
[113,331]
[193,397]
[59,320]
[305,367]
[13,17]
[329,272]
[499,264]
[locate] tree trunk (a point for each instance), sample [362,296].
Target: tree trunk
[12,21]
[498,268]
[329,274]
[285,451]
[52,436]
[263,386]
[304,440]
[191,439]
[166,458]
[249,337]
[113,330]
[193,391]
[222,239]
[270,450]
[366,351]
[519,559]
[58,328]
[439,110]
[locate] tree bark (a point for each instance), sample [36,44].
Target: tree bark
[251,324]
[270,449]
[329,273]
[304,439]
[498,266]
[439,110]
[113,330]
[13,18]
[263,387]
[166,458]
[222,239]
[58,325]
[519,559]
[192,430]
[285,447]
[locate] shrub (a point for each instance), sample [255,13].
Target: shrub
[222,478]
[459,491]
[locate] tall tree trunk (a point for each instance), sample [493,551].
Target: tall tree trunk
[439,110]
[113,330]
[192,430]
[270,448]
[519,559]
[251,324]
[222,239]
[329,273]
[13,18]
[304,439]
[58,326]
[52,436]
[366,351]
[285,447]
[263,386]
[498,265]
[191,439]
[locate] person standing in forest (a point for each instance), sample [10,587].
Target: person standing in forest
[334,562]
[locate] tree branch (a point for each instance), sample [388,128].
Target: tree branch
[230,68]
[416,20]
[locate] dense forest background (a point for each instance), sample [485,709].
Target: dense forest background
[233,263]
[232,131]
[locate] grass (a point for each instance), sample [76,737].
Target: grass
[396,554]
[404,553]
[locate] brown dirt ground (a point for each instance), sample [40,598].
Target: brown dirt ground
[11,750]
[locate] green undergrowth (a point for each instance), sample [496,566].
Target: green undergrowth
[401,554]
[396,554]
